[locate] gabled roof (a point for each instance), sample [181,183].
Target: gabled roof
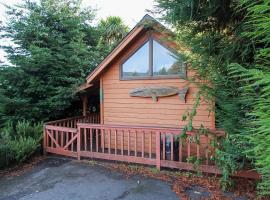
[146,22]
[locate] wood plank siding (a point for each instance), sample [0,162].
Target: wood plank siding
[120,108]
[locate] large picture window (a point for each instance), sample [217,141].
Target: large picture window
[153,60]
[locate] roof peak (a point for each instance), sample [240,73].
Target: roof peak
[150,22]
[146,22]
[147,16]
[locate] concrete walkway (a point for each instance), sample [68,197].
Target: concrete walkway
[61,179]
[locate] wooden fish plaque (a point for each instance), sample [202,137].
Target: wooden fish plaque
[162,91]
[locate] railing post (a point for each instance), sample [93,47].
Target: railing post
[158,150]
[44,141]
[78,142]
[85,104]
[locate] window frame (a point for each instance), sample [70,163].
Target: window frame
[151,75]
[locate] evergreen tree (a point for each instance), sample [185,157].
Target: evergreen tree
[254,79]
[228,42]
[54,49]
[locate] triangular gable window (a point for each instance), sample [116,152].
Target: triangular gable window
[164,61]
[153,60]
[137,64]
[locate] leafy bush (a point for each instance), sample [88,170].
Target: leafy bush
[18,142]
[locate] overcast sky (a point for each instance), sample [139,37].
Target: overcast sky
[131,11]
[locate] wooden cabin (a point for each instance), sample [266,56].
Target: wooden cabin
[145,58]
[133,104]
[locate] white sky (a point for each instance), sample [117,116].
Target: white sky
[131,11]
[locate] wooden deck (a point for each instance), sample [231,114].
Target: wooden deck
[84,137]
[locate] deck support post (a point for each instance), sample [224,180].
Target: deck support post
[78,143]
[158,150]
[44,141]
[85,105]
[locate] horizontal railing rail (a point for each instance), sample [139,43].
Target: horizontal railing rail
[72,121]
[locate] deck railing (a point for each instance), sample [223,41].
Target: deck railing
[72,121]
[162,147]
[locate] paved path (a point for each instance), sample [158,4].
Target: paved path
[58,179]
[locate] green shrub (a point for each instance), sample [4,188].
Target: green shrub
[25,129]
[4,154]
[23,147]
[18,142]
